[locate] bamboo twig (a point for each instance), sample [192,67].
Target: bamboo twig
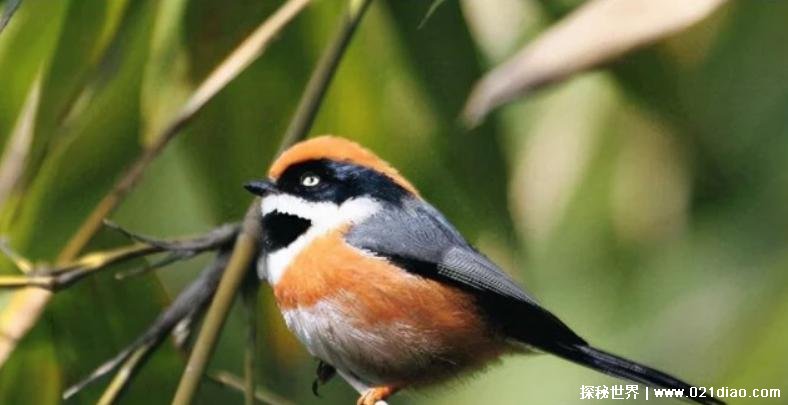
[246,247]
[261,395]
[64,275]
[54,278]
[248,51]
[29,303]
[186,306]
[124,374]
[249,290]
[321,77]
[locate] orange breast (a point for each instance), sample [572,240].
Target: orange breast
[372,291]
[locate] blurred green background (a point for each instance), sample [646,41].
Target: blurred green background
[646,203]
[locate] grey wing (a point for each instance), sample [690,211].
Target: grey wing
[422,241]
[419,235]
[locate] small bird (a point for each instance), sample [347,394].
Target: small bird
[383,290]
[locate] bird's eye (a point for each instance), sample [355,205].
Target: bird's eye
[310,180]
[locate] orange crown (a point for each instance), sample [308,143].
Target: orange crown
[338,149]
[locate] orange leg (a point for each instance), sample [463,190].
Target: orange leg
[373,395]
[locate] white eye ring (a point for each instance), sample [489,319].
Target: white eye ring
[310,180]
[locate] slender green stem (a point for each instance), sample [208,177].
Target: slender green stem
[262,395]
[249,294]
[246,245]
[124,374]
[54,278]
[326,68]
[244,251]
[246,53]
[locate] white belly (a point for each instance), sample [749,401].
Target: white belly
[371,357]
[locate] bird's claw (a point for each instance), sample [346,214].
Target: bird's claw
[376,395]
[324,373]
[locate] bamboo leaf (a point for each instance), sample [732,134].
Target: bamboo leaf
[8,12]
[430,11]
[246,53]
[446,73]
[12,163]
[166,84]
[246,246]
[596,33]
[28,304]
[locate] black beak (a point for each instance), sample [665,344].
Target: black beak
[261,187]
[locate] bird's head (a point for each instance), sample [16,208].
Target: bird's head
[333,170]
[329,181]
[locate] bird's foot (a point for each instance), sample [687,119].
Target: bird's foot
[324,373]
[376,395]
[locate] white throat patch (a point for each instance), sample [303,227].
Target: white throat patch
[325,217]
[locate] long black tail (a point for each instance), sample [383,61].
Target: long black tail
[527,322]
[620,367]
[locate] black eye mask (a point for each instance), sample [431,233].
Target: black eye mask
[339,181]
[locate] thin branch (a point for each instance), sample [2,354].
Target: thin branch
[249,292]
[29,303]
[22,263]
[209,240]
[321,77]
[53,278]
[246,247]
[189,304]
[64,275]
[246,53]
[227,379]
[169,259]
[125,373]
